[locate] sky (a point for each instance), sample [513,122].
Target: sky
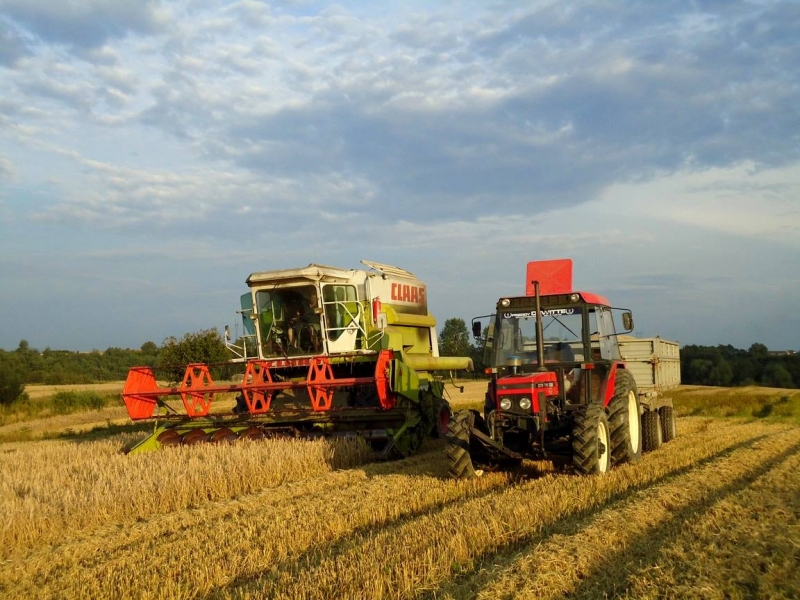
[155,153]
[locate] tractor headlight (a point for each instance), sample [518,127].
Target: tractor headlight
[525,403]
[505,302]
[505,403]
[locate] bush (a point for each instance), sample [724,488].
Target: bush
[12,385]
[68,402]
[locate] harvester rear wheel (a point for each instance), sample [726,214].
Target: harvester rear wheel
[591,441]
[624,420]
[651,431]
[458,455]
[667,416]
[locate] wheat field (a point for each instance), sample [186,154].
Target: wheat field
[713,514]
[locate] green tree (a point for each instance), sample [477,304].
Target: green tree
[149,348]
[12,386]
[776,375]
[206,346]
[454,339]
[721,373]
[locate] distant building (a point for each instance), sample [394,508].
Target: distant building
[782,352]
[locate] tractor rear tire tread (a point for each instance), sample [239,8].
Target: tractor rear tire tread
[623,448]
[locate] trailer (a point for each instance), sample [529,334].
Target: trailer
[655,364]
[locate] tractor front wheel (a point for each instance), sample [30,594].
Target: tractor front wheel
[623,418]
[458,455]
[591,440]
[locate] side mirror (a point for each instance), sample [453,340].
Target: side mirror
[627,321]
[476,329]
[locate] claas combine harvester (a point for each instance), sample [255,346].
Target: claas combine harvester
[324,351]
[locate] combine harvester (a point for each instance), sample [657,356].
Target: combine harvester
[324,351]
[563,384]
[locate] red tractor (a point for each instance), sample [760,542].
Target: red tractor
[559,386]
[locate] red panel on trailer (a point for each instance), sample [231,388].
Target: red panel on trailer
[554,276]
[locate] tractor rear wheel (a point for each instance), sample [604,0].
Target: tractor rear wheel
[591,445]
[667,415]
[651,431]
[624,420]
[461,466]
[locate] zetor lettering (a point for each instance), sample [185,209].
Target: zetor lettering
[408,293]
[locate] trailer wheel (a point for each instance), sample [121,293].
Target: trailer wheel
[623,418]
[458,455]
[651,431]
[591,445]
[667,416]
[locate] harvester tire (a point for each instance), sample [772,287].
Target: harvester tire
[651,431]
[624,420]
[591,440]
[667,416]
[461,466]
[443,416]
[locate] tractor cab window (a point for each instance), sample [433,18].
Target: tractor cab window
[562,336]
[604,336]
[289,321]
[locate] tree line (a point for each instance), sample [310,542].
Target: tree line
[723,366]
[27,365]
[700,365]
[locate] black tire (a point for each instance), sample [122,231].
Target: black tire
[624,420]
[458,455]
[591,445]
[651,431]
[667,416]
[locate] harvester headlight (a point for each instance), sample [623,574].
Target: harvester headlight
[574,297]
[505,403]
[505,302]
[524,403]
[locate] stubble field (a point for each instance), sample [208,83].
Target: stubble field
[713,514]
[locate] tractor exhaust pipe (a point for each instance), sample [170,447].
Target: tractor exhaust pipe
[539,332]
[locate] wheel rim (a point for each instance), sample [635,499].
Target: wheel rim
[633,421]
[444,421]
[603,447]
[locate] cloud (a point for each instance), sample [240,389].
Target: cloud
[86,24]
[742,200]
[6,168]
[12,45]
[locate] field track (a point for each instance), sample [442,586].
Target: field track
[714,514]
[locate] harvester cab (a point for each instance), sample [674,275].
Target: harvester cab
[325,350]
[558,387]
